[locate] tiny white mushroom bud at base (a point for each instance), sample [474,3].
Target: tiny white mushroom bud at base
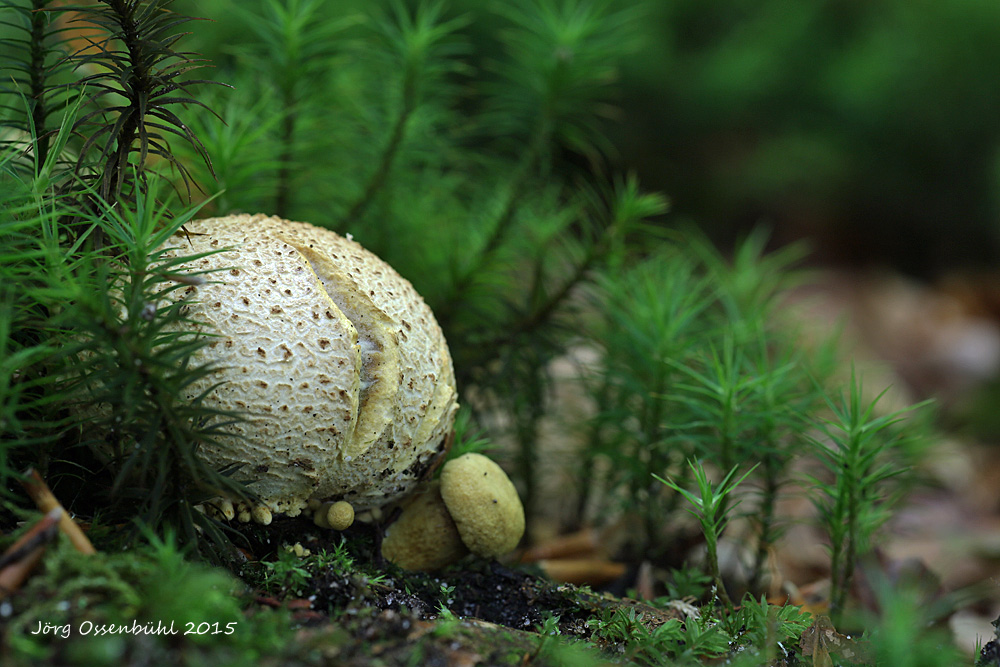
[224,506]
[262,515]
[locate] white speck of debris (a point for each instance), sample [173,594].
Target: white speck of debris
[349,236]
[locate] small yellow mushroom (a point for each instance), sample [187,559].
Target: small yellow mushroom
[337,515]
[298,550]
[483,503]
[224,506]
[340,515]
[424,537]
[261,514]
[474,507]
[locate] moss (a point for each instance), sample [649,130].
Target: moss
[149,603]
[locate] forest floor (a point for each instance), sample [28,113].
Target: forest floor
[941,342]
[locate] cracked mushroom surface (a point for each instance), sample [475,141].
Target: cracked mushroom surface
[338,363]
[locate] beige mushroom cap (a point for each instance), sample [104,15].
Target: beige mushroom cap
[424,537]
[483,503]
[338,363]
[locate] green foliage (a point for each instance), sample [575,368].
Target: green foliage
[671,642]
[468,439]
[906,631]
[687,582]
[859,450]
[765,629]
[552,649]
[135,60]
[560,57]
[471,156]
[756,634]
[711,505]
[119,56]
[293,570]
[98,360]
[33,69]
[698,362]
[287,574]
[154,586]
[804,115]
[110,355]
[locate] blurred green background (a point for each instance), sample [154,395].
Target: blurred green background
[868,126]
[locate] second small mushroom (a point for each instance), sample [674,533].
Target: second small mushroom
[474,508]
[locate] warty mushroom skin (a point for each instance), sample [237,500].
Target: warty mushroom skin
[338,363]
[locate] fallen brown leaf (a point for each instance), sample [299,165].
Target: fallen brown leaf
[821,639]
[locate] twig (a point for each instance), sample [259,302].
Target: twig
[22,556]
[40,493]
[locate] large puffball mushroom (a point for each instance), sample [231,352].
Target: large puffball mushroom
[484,504]
[424,536]
[338,364]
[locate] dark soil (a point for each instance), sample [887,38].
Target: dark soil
[475,612]
[516,598]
